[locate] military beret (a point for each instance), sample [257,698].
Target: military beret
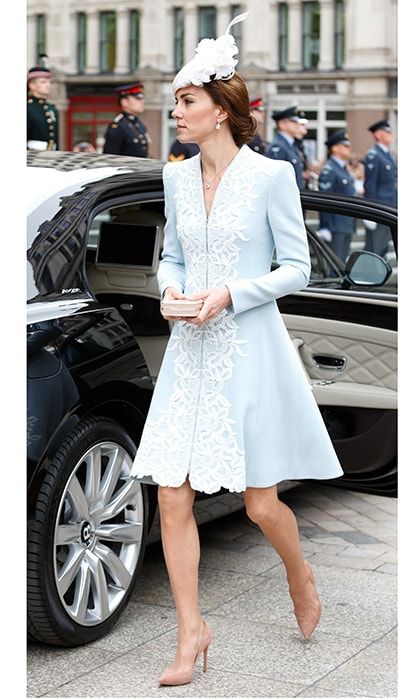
[258,104]
[381,124]
[340,136]
[135,89]
[38,72]
[289,113]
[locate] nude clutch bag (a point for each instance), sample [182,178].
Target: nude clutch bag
[181,307]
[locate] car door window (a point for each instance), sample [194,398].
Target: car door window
[371,235]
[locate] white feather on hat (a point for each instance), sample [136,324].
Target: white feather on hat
[214,60]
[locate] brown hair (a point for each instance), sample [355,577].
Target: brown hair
[233,96]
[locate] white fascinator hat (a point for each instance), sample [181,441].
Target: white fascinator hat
[213,60]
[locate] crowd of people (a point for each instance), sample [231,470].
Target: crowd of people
[344,171]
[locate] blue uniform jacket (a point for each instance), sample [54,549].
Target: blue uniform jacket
[380,176]
[280,149]
[335,179]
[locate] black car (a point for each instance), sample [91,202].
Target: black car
[96,339]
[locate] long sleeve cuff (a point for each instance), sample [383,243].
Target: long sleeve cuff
[248,293]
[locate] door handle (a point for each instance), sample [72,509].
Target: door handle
[330,362]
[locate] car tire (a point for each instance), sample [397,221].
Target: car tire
[87,540]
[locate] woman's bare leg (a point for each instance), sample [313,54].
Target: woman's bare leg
[279,525]
[181,548]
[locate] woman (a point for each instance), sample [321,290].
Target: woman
[232,407]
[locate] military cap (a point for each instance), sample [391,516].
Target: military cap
[134,89]
[381,124]
[289,113]
[302,117]
[258,104]
[38,72]
[340,136]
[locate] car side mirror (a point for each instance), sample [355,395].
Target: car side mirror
[366,268]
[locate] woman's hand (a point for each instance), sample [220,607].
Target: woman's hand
[215,300]
[170,294]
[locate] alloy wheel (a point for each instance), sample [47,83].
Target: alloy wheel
[98,534]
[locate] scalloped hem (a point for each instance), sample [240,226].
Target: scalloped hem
[148,479]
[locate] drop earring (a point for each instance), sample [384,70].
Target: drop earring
[217,124]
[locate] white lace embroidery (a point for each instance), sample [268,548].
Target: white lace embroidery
[194,434]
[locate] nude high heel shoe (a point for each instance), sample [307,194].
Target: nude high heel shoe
[180,677]
[308,622]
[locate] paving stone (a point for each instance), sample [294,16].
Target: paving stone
[241,562]
[358,537]
[333,540]
[216,586]
[138,624]
[225,545]
[366,552]
[254,538]
[311,547]
[275,651]
[367,673]
[346,562]
[387,569]
[335,525]
[350,611]
[313,531]
[137,675]
[46,664]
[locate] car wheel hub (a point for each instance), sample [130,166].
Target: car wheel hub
[86,534]
[98,534]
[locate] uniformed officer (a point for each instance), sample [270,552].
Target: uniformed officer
[302,130]
[42,115]
[127,135]
[257,109]
[181,151]
[283,145]
[336,178]
[380,183]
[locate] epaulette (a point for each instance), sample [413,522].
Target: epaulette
[326,169]
[117,118]
[371,154]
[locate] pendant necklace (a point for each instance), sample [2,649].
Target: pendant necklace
[207,185]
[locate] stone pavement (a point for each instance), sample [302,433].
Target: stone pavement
[257,651]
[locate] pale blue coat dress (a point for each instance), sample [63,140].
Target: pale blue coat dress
[232,406]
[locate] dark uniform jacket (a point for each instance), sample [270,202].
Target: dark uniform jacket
[181,151]
[257,144]
[42,123]
[380,176]
[336,179]
[127,136]
[280,149]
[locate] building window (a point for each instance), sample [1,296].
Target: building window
[178,38]
[236,30]
[339,34]
[207,22]
[134,48]
[311,34]
[41,36]
[283,34]
[107,42]
[81,42]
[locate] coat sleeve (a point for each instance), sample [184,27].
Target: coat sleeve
[171,271]
[285,217]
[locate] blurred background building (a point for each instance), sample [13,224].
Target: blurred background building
[335,59]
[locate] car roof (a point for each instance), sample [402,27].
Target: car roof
[53,174]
